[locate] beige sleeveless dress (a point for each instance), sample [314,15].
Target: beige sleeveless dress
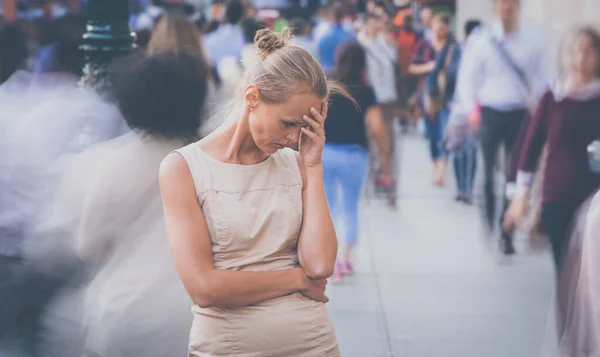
[254,215]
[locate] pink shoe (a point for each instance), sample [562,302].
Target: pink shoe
[384,181]
[346,268]
[337,277]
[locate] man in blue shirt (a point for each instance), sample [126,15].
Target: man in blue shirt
[329,43]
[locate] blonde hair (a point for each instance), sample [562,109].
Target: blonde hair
[283,69]
[567,43]
[175,33]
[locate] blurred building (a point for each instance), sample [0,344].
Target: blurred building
[561,15]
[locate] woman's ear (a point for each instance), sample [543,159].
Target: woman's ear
[252,96]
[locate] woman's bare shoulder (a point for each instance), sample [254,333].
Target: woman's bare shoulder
[173,168]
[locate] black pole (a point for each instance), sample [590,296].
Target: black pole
[107,37]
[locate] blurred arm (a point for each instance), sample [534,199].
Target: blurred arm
[469,78]
[417,66]
[377,130]
[533,144]
[420,69]
[511,175]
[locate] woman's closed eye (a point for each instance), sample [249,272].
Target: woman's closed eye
[290,124]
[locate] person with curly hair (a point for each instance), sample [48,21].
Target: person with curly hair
[108,206]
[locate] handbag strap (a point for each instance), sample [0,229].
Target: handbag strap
[511,62]
[444,70]
[449,55]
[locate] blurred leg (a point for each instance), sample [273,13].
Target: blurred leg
[351,180]
[431,132]
[470,163]
[331,161]
[490,140]
[556,221]
[389,115]
[442,161]
[469,166]
[459,163]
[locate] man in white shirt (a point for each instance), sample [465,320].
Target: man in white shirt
[426,18]
[228,39]
[381,56]
[505,69]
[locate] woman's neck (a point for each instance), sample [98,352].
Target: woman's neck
[234,144]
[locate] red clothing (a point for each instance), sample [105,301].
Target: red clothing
[399,18]
[406,42]
[568,127]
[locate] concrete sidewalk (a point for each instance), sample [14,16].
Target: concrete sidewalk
[428,283]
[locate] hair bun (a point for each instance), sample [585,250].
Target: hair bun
[268,41]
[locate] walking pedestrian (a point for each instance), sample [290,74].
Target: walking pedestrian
[350,132]
[505,69]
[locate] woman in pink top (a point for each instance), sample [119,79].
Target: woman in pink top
[247,217]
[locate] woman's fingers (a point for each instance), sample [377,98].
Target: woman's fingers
[317,115]
[324,110]
[314,125]
[311,134]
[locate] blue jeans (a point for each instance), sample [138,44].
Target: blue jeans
[434,128]
[465,163]
[344,166]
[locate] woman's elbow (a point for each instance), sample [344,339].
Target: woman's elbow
[201,298]
[318,271]
[320,274]
[202,294]
[203,302]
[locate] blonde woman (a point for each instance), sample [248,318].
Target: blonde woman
[565,122]
[175,33]
[247,217]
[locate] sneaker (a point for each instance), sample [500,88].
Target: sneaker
[337,277]
[346,268]
[507,247]
[467,199]
[383,180]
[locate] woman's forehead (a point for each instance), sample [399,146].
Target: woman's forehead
[300,104]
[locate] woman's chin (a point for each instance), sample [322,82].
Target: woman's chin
[273,148]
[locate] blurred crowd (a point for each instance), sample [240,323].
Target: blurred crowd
[85,267]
